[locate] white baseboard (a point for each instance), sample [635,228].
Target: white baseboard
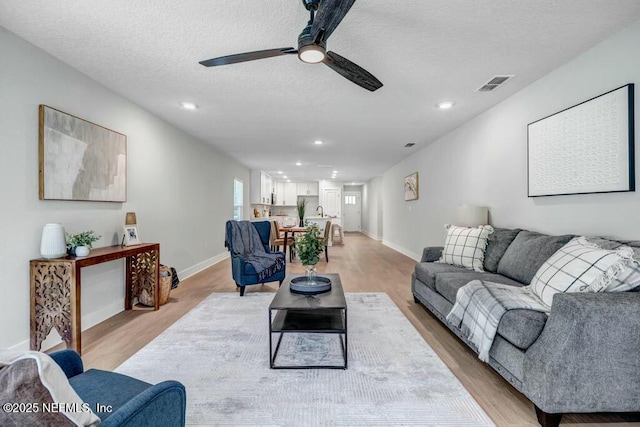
[402,250]
[373,236]
[87,321]
[188,272]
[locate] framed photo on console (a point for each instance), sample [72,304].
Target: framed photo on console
[131,236]
[587,148]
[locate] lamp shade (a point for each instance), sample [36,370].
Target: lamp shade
[130,219]
[472,216]
[54,241]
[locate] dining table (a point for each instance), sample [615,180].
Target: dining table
[293,230]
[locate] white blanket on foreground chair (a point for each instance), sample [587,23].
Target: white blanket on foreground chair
[480,306]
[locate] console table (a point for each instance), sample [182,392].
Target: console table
[55,288]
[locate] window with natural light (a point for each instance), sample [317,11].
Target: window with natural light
[238,199]
[349,200]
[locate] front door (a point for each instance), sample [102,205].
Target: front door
[352,211]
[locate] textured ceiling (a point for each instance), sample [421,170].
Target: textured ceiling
[267,113]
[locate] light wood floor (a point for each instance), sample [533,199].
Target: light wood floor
[365,265]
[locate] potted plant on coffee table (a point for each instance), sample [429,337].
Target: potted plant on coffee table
[309,248]
[79,244]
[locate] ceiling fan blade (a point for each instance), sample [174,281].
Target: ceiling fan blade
[351,71]
[330,14]
[247,56]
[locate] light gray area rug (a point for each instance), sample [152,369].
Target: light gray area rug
[220,352]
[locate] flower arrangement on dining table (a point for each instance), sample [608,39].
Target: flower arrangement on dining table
[309,247]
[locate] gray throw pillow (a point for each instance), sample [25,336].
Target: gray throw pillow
[528,251]
[497,245]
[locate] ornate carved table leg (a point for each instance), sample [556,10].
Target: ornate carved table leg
[53,303]
[143,277]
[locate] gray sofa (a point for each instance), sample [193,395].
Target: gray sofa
[582,357]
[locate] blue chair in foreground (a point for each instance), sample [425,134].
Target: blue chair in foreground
[132,402]
[244,256]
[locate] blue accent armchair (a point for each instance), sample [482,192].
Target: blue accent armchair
[244,273]
[132,402]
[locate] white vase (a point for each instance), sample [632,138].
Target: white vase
[54,241]
[82,250]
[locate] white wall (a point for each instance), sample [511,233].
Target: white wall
[169,173]
[484,162]
[372,208]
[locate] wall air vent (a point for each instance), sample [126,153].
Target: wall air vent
[409,144]
[494,83]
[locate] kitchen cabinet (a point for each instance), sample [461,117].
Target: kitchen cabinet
[308,189]
[287,194]
[290,197]
[261,187]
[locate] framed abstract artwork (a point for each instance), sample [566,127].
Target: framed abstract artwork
[587,148]
[411,187]
[80,160]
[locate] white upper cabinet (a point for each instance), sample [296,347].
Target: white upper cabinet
[308,189]
[286,194]
[290,197]
[261,187]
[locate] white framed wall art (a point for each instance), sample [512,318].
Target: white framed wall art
[587,148]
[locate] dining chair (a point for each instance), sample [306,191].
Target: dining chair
[279,240]
[325,239]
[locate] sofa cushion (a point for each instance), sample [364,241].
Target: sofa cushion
[426,272]
[465,246]
[447,284]
[581,266]
[497,245]
[528,251]
[522,327]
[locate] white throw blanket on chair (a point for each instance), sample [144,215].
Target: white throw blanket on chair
[480,306]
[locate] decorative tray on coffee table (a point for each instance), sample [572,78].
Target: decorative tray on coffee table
[301,285]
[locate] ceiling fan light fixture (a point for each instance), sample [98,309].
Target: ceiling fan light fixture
[312,54]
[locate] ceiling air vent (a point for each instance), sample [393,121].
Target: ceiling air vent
[409,144]
[494,83]
[325,166]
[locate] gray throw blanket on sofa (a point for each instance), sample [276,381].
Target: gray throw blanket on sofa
[247,244]
[480,306]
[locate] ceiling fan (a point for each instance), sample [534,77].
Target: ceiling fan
[312,44]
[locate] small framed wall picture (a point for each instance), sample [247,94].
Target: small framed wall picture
[131,236]
[411,187]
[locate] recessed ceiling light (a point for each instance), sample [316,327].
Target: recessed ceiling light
[285,177]
[280,172]
[445,105]
[335,172]
[288,180]
[188,106]
[298,164]
[317,142]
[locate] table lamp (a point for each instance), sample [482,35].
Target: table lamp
[472,216]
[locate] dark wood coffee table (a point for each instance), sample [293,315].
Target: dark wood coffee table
[324,313]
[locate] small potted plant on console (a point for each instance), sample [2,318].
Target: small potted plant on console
[79,244]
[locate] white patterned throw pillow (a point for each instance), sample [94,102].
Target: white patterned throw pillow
[581,266]
[465,246]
